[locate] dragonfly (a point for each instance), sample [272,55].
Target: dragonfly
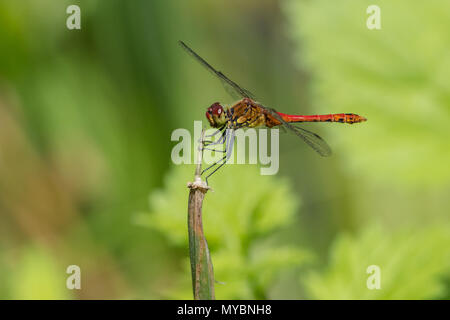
[249,113]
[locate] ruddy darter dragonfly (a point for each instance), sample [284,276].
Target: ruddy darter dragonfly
[248,113]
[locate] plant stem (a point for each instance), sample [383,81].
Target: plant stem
[201,265]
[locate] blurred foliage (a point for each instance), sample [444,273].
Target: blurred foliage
[394,77]
[413,265]
[397,78]
[239,227]
[38,277]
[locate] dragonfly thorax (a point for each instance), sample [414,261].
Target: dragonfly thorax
[216,115]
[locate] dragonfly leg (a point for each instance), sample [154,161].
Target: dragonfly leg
[225,158]
[213,143]
[214,164]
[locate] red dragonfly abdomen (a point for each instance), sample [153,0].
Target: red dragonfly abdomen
[335,117]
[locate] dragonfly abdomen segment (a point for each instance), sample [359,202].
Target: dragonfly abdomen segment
[334,117]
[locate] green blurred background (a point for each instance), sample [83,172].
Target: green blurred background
[86,176]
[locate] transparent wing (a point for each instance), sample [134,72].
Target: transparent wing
[312,139]
[231,87]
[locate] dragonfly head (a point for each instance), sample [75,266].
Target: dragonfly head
[216,115]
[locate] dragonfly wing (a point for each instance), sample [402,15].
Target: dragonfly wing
[230,86]
[312,139]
